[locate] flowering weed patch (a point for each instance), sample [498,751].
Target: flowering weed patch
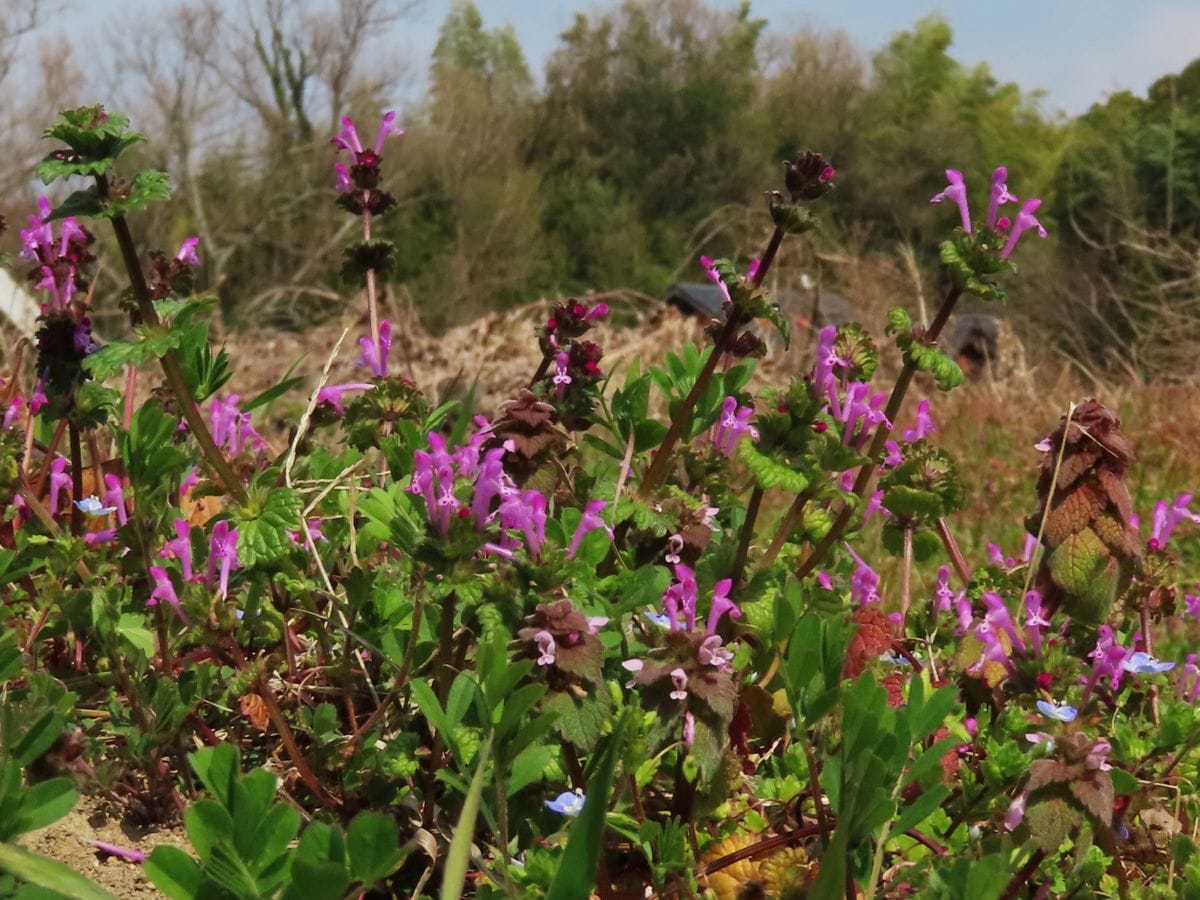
[562,650]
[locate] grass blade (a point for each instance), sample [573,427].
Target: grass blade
[455,875]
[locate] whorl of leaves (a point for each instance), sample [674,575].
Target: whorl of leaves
[1089,542]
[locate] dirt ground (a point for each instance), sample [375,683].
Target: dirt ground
[94,819]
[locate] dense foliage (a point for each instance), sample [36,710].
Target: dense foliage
[569,647]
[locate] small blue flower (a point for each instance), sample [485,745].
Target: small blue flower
[93,507]
[896,659]
[659,619]
[568,803]
[1144,664]
[1060,713]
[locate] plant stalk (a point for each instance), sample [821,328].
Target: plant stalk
[172,370]
[875,453]
[743,550]
[661,465]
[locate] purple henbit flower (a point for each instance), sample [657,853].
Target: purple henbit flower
[96,538]
[56,260]
[164,591]
[568,803]
[993,649]
[1108,661]
[1035,621]
[375,358]
[1000,196]
[1142,663]
[1016,812]
[874,505]
[712,653]
[1167,518]
[59,481]
[525,511]
[1192,605]
[561,378]
[1188,685]
[674,546]
[1060,712]
[864,582]
[731,426]
[721,604]
[333,393]
[590,521]
[943,596]
[187,252]
[956,191]
[114,496]
[893,458]
[545,647]
[710,272]
[999,618]
[133,856]
[965,613]
[1025,221]
[1097,757]
[679,680]
[180,548]
[924,424]
[826,383]
[231,428]
[222,557]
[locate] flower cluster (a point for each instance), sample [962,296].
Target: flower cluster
[956,192]
[57,259]
[358,183]
[469,482]
[221,562]
[231,428]
[689,678]
[568,320]
[732,425]
[571,366]
[849,402]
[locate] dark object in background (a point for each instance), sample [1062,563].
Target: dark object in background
[972,340]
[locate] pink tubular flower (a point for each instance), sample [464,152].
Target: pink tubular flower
[679,680]
[187,252]
[387,126]
[1000,196]
[333,393]
[180,548]
[1025,221]
[923,426]
[341,179]
[373,357]
[59,480]
[721,604]
[164,591]
[546,647]
[561,378]
[114,496]
[1167,518]
[222,556]
[588,522]
[732,425]
[956,190]
[347,138]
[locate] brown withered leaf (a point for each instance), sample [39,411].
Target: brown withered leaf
[1117,535]
[1095,793]
[254,709]
[894,685]
[1072,511]
[872,639]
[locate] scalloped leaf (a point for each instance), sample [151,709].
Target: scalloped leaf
[932,361]
[263,526]
[769,472]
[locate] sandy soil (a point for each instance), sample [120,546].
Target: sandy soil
[94,819]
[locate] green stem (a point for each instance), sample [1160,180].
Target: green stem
[875,453]
[786,524]
[172,370]
[76,478]
[743,550]
[661,465]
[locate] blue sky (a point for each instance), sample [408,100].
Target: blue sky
[1076,50]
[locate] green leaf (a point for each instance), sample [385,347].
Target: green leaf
[920,809]
[454,876]
[218,769]
[37,739]
[174,873]
[49,874]
[208,825]
[317,879]
[1124,783]
[373,846]
[576,874]
[45,803]
[769,472]
[132,627]
[264,523]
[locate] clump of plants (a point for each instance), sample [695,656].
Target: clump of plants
[567,648]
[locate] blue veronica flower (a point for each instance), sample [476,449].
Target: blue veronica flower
[659,619]
[93,507]
[1144,664]
[568,803]
[1060,713]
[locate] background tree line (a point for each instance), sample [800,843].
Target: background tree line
[656,128]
